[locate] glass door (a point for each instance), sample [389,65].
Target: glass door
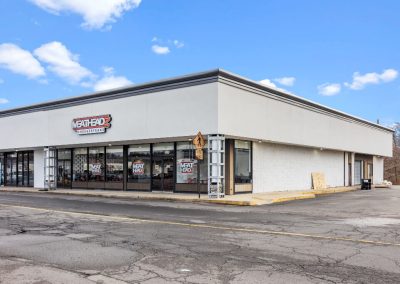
[163,174]
[64,169]
[11,169]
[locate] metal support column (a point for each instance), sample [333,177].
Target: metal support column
[216,166]
[50,168]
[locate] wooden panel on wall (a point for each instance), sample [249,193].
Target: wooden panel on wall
[229,170]
[243,188]
[318,180]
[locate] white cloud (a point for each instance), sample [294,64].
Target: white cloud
[3,101]
[268,83]
[160,49]
[111,82]
[286,81]
[328,89]
[108,70]
[20,61]
[178,44]
[62,62]
[95,13]
[359,80]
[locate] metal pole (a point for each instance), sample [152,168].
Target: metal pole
[198,177]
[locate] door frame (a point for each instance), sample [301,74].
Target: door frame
[162,159]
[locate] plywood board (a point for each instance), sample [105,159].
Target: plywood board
[318,180]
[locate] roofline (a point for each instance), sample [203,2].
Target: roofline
[173,83]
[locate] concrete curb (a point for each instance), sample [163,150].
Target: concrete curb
[251,201]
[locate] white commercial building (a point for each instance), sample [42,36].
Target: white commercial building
[140,138]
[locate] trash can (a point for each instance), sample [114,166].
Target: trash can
[366,184]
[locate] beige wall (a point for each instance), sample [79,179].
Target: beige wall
[283,168]
[172,113]
[250,114]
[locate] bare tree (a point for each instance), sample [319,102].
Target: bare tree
[392,165]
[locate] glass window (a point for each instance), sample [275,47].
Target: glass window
[26,169]
[31,169]
[96,164]
[115,164]
[11,169]
[80,165]
[1,169]
[163,149]
[243,162]
[204,166]
[20,160]
[139,163]
[186,164]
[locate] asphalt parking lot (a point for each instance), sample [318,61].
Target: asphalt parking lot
[342,238]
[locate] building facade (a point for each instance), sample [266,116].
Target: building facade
[140,138]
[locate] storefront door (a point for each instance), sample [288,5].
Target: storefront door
[163,174]
[64,174]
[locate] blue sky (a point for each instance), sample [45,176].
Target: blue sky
[343,54]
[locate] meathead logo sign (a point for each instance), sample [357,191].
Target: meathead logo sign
[91,124]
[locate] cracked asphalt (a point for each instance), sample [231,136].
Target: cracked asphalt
[343,238]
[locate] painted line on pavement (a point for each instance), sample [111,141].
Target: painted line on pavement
[206,226]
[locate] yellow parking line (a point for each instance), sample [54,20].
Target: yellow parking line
[206,226]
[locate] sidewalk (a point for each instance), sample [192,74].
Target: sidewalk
[239,199]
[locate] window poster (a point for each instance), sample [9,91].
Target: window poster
[138,168]
[95,169]
[186,171]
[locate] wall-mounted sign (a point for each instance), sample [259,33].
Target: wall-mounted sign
[91,124]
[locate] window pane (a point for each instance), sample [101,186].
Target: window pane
[31,169]
[243,162]
[20,168]
[163,149]
[80,165]
[1,169]
[186,164]
[96,164]
[115,164]
[139,163]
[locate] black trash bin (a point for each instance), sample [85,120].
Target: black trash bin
[366,184]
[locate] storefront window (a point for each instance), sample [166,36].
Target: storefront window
[11,169]
[96,164]
[243,163]
[186,164]
[139,163]
[115,164]
[31,169]
[80,165]
[1,169]
[203,164]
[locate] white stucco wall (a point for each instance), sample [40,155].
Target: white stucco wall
[248,113]
[38,164]
[173,113]
[378,170]
[283,168]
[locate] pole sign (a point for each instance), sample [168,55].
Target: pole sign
[92,124]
